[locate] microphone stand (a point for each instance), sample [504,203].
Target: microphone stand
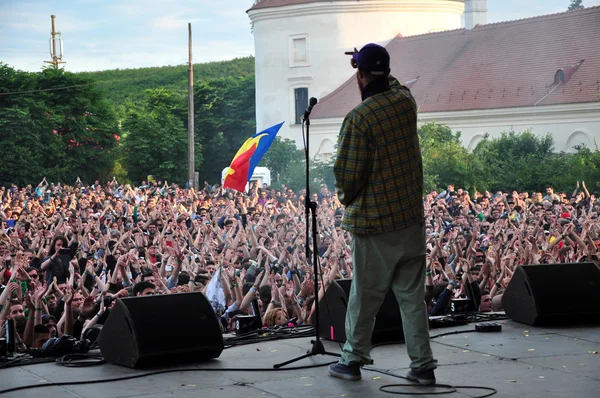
[311,215]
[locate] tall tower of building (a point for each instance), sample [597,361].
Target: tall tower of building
[300,45]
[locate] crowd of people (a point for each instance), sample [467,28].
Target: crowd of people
[68,252]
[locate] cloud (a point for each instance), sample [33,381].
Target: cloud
[89,45]
[40,22]
[169,22]
[133,52]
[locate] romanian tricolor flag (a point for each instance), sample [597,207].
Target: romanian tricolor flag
[246,159]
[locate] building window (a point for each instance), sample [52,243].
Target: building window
[301,101]
[299,50]
[326,150]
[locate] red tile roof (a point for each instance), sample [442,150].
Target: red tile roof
[280,3]
[501,65]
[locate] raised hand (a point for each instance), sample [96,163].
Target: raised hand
[102,308]
[89,306]
[12,287]
[39,291]
[89,268]
[230,272]
[275,292]
[289,291]
[68,297]
[307,288]
[29,301]
[258,279]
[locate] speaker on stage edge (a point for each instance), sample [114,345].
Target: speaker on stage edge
[554,294]
[162,329]
[332,315]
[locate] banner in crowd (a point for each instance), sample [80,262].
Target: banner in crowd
[215,292]
[247,158]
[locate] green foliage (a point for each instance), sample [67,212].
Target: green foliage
[224,120]
[281,158]
[322,173]
[63,134]
[514,161]
[120,85]
[521,161]
[58,133]
[445,159]
[224,116]
[155,142]
[576,5]
[583,165]
[295,175]
[287,165]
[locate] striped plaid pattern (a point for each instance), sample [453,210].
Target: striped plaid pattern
[379,170]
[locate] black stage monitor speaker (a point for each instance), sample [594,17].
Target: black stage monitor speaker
[554,294]
[162,329]
[332,315]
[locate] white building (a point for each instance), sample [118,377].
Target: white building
[300,45]
[484,79]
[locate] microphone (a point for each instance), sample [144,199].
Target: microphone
[312,102]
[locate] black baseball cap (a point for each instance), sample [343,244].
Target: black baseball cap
[372,58]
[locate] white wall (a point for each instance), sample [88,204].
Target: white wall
[331,29]
[569,125]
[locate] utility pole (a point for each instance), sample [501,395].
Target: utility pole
[191,144]
[56,59]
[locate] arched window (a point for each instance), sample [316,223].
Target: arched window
[325,152]
[579,138]
[474,142]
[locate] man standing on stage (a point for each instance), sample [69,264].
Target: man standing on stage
[379,175]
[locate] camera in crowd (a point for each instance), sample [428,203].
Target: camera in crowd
[58,347]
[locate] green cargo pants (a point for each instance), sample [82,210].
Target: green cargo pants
[393,260]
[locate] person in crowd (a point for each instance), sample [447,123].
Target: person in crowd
[144,288]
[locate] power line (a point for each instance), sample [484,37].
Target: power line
[48,89]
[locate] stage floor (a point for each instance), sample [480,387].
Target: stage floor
[520,361]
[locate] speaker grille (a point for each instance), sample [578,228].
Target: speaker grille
[151,330]
[565,288]
[554,294]
[184,315]
[332,314]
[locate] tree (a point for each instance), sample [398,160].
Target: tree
[322,173]
[155,142]
[288,166]
[55,124]
[576,5]
[445,160]
[224,120]
[521,161]
[120,85]
[281,158]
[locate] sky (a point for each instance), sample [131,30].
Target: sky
[111,34]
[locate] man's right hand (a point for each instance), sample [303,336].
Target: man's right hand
[68,298]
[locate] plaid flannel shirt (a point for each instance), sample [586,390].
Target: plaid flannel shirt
[379,169]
